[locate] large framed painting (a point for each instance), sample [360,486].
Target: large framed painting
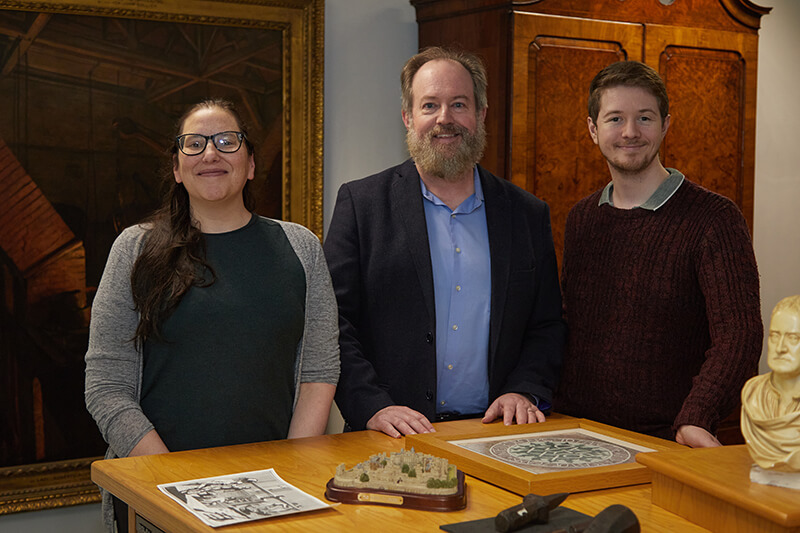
[568,455]
[90,92]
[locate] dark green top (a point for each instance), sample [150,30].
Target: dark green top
[226,374]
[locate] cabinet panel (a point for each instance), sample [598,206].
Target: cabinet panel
[554,60]
[707,129]
[710,77]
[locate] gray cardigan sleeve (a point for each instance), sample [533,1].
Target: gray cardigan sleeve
[113,364]
[318,353]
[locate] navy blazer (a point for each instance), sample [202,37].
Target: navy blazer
[379,257]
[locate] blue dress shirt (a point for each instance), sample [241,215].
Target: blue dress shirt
[459,245]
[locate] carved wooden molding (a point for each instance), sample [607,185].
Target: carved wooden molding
[745,12]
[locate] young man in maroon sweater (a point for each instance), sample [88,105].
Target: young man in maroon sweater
[659,281]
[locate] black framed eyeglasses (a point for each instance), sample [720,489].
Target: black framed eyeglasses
[226,142]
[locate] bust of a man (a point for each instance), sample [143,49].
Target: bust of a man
[771,401]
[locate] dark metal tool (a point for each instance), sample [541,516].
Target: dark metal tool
[533,509]
[613,519]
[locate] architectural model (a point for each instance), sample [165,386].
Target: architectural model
[403,471]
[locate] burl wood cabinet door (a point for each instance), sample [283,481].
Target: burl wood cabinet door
[711,83]
[554,59]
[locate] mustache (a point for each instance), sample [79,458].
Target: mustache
[448,129]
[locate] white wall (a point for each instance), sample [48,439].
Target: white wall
[776,220]
[366,44]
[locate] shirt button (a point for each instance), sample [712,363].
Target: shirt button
[455,327]
[442,402]
[449,367]
[452,215]
[458,288]
[458,250]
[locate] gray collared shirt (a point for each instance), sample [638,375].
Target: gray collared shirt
[664,192]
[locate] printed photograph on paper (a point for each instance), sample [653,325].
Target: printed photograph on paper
[236,498]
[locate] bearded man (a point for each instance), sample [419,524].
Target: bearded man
[445,275]
[659,280]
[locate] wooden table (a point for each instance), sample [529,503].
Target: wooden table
[308,464]
[711,486]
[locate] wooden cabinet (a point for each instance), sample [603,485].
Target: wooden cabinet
[541,57]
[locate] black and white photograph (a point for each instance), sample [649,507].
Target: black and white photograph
[225,500]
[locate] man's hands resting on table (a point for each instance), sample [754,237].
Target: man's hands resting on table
[398,420]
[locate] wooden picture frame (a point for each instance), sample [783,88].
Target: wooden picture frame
[522,482]
[292,139]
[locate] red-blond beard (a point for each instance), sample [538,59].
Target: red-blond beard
[445,162]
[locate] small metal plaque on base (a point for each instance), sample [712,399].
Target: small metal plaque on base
[423,502]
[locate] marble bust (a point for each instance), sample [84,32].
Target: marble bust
[771,402]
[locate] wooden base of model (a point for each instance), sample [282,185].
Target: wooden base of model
[391,498]
[711,487]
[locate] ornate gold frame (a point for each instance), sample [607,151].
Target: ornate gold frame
[47,485]
[301,22]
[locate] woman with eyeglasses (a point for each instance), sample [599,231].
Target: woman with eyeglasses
[211,325]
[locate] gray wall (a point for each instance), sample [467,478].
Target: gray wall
[776,220]
[366,43]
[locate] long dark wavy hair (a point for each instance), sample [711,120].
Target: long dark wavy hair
[173,257]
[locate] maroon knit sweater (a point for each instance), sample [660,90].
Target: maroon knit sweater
[663,312]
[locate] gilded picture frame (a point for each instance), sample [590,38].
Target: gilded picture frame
[297,141]
[520,481]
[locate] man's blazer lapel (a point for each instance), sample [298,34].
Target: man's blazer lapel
[409,215]
[498,222]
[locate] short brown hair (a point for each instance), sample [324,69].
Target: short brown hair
[628,74]
[469,61]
